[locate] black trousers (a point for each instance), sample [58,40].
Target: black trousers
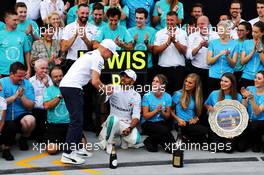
[158,133]
[74,102]
[213,84]
[195,132]
[175,76]
[41,120]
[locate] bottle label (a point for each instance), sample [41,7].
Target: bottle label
[114,162]
[177,161]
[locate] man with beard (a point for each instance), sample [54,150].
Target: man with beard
[78,35]
[98,15]
[125,105]
[235,12]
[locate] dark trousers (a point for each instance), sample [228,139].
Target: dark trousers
[238,75]
[41,120]
[256,130]
[158,133]
[245,82]
[195,133]
[74,102]
[213,84]
[175,76]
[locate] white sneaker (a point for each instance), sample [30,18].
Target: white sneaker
[102,144]
[139,145]
[109,147]
[71,158]
[84,153]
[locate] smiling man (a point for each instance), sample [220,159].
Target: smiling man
[125,104]
[26,25]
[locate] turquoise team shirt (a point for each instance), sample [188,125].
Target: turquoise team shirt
[59,114]
[140,45]
[133,5]
[98,27]
[259,101]
[9,89]
[187,114]
[125,10]
[165,8]
[213,98]
[254,65]
[2,26]
[151,101]
[72,14]
[238,66]
[121,31]
[221,66]
[22,27]
[13,45]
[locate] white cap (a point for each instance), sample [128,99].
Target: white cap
[130,73]
[110,45]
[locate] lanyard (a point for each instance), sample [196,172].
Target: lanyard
[48,50]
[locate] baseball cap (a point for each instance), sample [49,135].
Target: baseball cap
[109,44]
[130,73]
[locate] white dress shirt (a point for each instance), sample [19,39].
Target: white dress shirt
[33,8]
[200,59]
[46,7]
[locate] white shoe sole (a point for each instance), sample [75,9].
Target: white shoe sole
[67,160]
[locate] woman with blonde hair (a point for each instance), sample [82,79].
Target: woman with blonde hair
[222,54]
[187,105]
[55,20]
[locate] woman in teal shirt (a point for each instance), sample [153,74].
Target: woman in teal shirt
[188,104]
[156,107]
[222,55]
[228,90]
[244,32]
[253,99]
[253,56]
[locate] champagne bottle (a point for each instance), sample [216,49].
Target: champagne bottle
[178,154]
[113,158]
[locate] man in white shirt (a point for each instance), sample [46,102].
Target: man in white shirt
[124,115]
[171,45]
[48,6]
[198,48]
[78,35]
[260,11]
[40,81]
[33,8]
[86,69]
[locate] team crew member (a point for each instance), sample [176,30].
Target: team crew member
[87,68]
[222,55]
[156,107]
[252,55]
[171,45]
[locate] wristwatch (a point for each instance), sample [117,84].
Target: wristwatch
[59,96]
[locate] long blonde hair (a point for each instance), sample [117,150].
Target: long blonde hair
[56,13]
[197,94]
[173,3]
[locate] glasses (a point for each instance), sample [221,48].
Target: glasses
[235,8]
